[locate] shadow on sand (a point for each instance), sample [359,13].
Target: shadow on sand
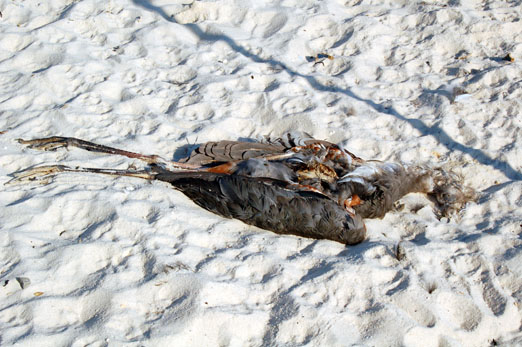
[433,130]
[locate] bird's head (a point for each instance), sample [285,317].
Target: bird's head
[449,194]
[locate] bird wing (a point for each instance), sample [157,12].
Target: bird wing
[296,139]
[224,151]
[269,204]
[295,158]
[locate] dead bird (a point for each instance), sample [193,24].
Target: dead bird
[294,184]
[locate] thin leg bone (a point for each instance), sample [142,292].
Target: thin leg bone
[55,142]
[45,173]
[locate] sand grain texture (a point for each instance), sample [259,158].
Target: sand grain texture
[106,262]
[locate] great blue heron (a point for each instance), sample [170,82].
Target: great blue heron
[289,185]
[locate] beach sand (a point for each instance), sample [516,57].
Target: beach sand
[92,260]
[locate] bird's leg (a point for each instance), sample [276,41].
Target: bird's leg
[55,142]
[43,174]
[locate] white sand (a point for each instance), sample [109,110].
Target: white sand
[108,262]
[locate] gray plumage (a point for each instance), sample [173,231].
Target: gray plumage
[378,184]
[290,185]
[269,204]
[224,151]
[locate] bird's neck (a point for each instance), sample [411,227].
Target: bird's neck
[418,179]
